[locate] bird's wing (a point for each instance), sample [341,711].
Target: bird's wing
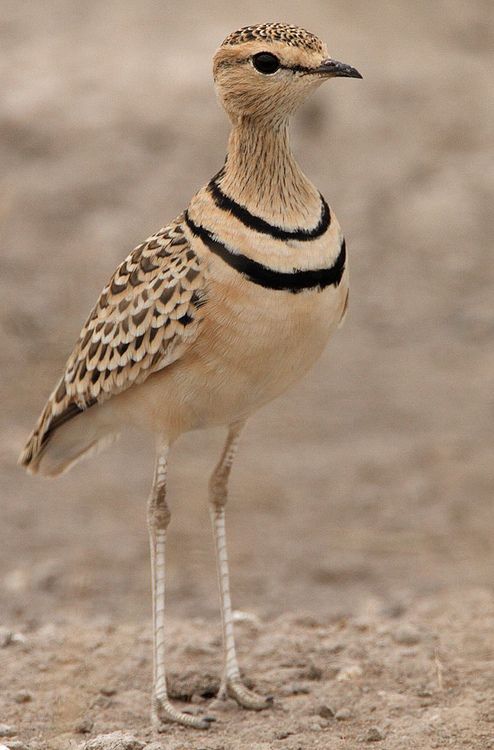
[145,318]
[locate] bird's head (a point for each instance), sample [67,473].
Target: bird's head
[266,71]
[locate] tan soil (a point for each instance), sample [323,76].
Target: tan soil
[363,497]
[420,679]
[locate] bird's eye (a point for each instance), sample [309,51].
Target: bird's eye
[266,63]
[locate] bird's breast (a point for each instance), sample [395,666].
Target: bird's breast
[256,341]
[269,310]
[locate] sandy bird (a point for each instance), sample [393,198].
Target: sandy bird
[214,315]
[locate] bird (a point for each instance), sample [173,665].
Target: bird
[213,316]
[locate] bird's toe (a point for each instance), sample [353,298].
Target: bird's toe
[165,714]
[248,698]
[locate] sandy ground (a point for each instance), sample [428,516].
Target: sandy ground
[415,678]
[363,497]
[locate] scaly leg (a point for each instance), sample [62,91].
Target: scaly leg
[231,684]
[158,520]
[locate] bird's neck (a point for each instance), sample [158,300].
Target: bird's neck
[261,174]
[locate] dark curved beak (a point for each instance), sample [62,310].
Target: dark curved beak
[334,68]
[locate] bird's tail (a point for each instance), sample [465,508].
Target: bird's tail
[58,442]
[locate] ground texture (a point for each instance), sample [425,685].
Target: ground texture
[416,677]
[362,500]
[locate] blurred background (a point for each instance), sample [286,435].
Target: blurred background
[371,482]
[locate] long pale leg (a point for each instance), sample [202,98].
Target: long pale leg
[158,520]
[231,683]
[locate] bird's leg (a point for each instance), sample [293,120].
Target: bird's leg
[231,684]
[158,520]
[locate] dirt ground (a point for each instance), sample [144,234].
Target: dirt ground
[360,521]
[418,677]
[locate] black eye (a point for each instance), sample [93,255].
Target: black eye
[265,62]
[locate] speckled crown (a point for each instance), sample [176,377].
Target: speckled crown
[276,32]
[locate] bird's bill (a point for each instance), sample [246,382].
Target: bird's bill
[337,69]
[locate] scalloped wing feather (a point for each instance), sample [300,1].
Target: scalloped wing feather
[146,317]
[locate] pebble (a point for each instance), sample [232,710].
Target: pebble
[325,712]
[374,734]
[336,647]
[248,617]
[351,672]
[394,609]
[84,726]
[6,730]
[424,693]
[296,688]
[18,638]
[314,726]
[16,745]
[108,690]
[23,696]
[407,634]
[279,736]
[5,637]
[343,714]
[114,741]
[313,673]
[362,623]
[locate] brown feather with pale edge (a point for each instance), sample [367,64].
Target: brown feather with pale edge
[145,318]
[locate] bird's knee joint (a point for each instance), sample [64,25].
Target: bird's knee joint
[158,514]
[162,518]
[218,493]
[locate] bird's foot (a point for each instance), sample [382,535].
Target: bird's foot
[247,698]
[163,713]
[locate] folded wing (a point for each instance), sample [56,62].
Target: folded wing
[146,317]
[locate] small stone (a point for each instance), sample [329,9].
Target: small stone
[114,741]
[108,690]
[23,696]
[5,637]
[424,693]
[325,712]
[84,726]
[296,688]
[15,745]
[393,609]
[336,648]
[374,734]
[313,672]
[350,672]
[343,714]
[248,617]
[315,726]
[407,635]
[6,730]
[18,638]
[279,736]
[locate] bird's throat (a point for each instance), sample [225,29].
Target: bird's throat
[261,174]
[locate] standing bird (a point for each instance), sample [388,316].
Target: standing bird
[214,315]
